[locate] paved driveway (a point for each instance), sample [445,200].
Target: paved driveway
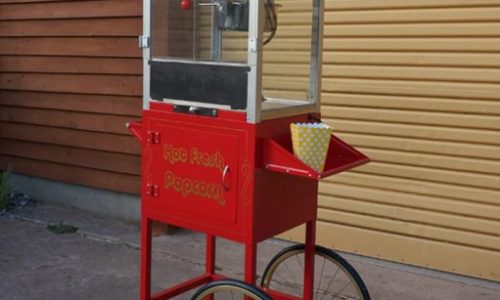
[101,261]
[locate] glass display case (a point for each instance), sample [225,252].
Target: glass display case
[261,57]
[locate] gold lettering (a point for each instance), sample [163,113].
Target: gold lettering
[215,160]
[217,194]
[169,179]
[187,186]
[174,154]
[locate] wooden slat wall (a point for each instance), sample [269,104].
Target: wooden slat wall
[70,79]
[416,86]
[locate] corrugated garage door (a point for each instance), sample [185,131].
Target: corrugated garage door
[416,86]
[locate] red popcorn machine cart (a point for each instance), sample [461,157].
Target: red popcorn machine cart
[223,82]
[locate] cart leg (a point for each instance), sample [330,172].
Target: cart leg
[210,259]
[210,255]
[145,289]
[250,262]
[309,260]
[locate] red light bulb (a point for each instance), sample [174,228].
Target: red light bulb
[185,4]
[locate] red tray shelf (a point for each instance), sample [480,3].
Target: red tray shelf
[278,157]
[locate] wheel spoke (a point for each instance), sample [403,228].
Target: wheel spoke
[321,278]
[297,281]
[299,263]
[330,283]
[348,284]
[287,283]
[333,276]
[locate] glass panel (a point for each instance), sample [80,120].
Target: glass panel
[172,30]
[211,30]
[287,56]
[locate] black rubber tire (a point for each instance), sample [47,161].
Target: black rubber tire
[231,284]
[341,262]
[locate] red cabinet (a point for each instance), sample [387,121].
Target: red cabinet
[191,175]
[223,176]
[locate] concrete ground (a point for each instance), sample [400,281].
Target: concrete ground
[101,261]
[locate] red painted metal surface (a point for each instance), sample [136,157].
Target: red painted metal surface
[341,156]
[227,178]
[137,130]
[182,287]
[145,288]
[309,260]
[276,295]
[210,255]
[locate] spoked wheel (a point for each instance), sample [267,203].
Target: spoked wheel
[230,290]
[334,277]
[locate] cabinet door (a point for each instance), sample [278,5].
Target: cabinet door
[196,170]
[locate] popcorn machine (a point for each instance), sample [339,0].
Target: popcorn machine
[223,82]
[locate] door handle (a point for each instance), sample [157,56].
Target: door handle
[226,178]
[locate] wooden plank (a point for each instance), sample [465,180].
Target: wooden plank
[71,46]
[413,30]
[290,69]
[27,1]
[72,174]
[99,160]
[408,250]
[286,56]
[294,31]
[430,104]
[455,120]
[417,58]
[453,149]
[102,104]
[71,10]
[72,27]
[430,133]
[413,73]
[435,15]
[459,90]
[442,44]
[476,180]
[79,65]
[288,83]
[418,187]
[407,199]
[293,5]
[126,85]
[410,215]
[464,238]
[295,17]
[66,119]
[433,161]
[71,137]
[465,29]
[288,44]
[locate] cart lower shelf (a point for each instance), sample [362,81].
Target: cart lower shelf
[301,271]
